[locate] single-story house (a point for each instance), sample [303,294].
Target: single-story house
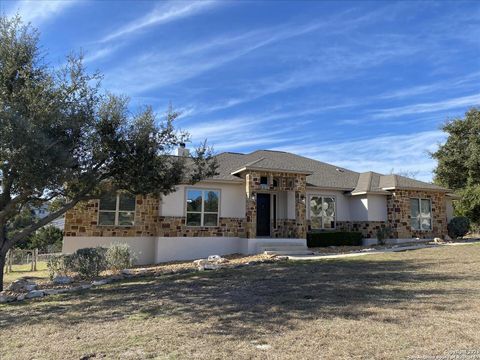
[261,198]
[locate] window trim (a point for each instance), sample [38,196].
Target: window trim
[419,199]
[117,211]
[202,212]
[334,197]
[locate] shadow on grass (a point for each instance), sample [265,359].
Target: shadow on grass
[251,299]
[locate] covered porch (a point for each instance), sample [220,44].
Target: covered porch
[275,204]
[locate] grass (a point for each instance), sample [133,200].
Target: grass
[390,306]
[19,271]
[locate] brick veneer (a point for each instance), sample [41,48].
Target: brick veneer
[398,212]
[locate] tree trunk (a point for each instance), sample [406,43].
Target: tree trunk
[2,265]
[3,251]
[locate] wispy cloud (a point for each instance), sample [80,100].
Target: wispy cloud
[160,69]
[163,68]
[35,11]
[167,12]
[459,102]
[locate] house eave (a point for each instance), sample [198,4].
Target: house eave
[255,168]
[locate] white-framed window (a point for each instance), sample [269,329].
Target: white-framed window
[322,212]
[421,214]
[117,209]
[202,207]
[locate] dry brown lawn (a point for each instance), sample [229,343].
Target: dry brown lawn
[416,303]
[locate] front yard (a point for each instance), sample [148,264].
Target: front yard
[415,303]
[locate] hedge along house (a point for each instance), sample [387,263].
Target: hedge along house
[256,200]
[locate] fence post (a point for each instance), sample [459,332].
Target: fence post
[7,256]
[9,261]
[35,256]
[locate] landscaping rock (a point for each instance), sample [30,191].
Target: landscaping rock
[117,277]
[128,272]
[21,297]
[438,240]
[100,282]
[48,292]
[30,287]
[4,298]
[34,294]
[62,280]
[211,266]
[21,285]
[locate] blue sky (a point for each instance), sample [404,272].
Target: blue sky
[364,85]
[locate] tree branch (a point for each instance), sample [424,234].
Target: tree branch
[44,221]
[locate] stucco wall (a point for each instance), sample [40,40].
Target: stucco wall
[358,208]
[188,248]
[232,200]
[143,248]
[377,208]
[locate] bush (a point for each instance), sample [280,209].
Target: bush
[334,238]
[88,262]
[118,257]
[383,234]
[58,266]
[458,227]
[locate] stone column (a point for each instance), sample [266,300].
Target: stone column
[250,208]
[300,206]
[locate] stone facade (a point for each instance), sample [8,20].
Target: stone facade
[277,181]
[367,228]
[398,212]
[83,221]
[169,226]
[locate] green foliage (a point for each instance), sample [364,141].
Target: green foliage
[58,266]
[459,163]
[88,262]
[64,140]
[17,223]
[334,238]
[383,233]
[118,257]
[458,227]
[46,239]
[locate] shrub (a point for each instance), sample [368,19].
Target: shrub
[458,227]
[58,266]
[88,262]
[383,234]
[334,238]
[118,257]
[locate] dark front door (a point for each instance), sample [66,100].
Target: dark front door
[263,214]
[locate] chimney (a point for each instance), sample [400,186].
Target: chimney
[182,150]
